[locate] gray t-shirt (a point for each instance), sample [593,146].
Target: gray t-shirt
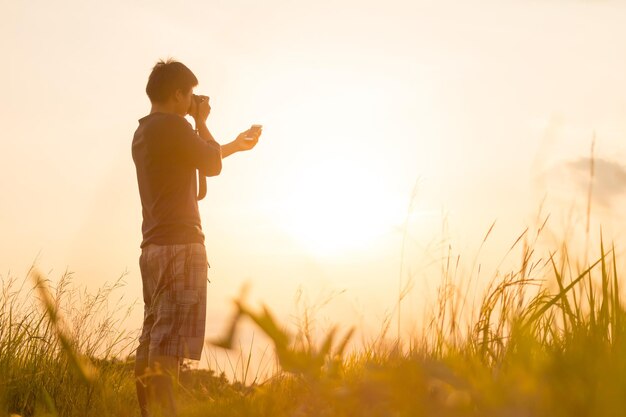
[167,153]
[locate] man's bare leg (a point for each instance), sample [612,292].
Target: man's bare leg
[161,383]
[141,379]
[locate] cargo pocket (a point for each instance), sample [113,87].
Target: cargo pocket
[199,260]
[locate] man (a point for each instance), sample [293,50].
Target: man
[168,153]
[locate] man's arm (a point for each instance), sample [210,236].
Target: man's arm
[245,141]
[237,145]
[204,133]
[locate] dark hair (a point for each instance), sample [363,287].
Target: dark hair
[167,77]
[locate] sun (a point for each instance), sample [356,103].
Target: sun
[343,208]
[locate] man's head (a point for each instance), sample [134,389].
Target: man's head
[171,83]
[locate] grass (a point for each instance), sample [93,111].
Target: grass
[547,338]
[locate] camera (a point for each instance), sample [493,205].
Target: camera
[197,100]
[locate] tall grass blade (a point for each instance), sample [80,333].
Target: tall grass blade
[537,314]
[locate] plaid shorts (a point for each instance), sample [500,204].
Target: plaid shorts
[174,293]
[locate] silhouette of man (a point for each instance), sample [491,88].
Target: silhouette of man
[168,154]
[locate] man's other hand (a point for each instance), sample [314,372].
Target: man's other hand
[248,139]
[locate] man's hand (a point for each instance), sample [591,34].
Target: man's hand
[200,108]
[247,139]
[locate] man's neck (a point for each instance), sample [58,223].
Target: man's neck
[163,108]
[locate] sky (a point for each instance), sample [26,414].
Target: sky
[395,134]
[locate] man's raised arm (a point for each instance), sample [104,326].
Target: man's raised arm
[245,141]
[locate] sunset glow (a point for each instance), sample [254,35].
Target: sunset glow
[339,207]
[490,106]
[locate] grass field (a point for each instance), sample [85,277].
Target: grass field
[547,339]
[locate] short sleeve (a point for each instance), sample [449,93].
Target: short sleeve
[206,156]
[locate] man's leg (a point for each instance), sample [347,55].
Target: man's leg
[174,278]
[142,361]
[165,375]
[141,379]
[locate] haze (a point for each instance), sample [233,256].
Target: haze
[489,107]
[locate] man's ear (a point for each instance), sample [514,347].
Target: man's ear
[178,95]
